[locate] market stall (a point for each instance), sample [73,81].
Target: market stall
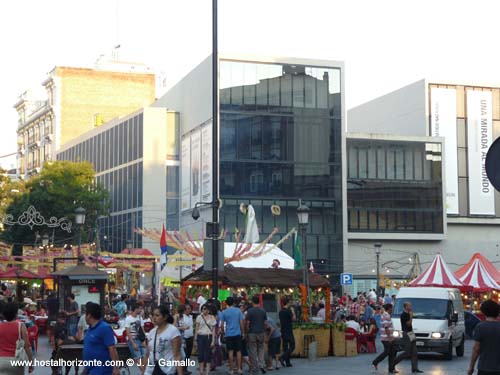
[23,280]
[271,284]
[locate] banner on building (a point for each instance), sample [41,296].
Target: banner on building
[480,137]
[186,173]
[195,167]
[444,124]
[206,162]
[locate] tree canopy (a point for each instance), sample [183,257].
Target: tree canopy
[57,191]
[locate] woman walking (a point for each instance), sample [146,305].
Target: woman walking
[10,332]
[163,342]
[184,323]
[205,338]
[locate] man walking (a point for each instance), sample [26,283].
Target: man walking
[73,314]
[233,333]
[256,324]
[99,343]
[387,340]
[409,342]
[287,317]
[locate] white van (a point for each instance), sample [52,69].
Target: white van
[438,319]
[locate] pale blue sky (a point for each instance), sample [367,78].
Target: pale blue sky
[385,44]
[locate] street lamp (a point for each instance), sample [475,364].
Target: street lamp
[378,246]
[45,244]
[303,218]
[45,240]
[80,220]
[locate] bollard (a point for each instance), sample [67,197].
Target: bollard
[313,349]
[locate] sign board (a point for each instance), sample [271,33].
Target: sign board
[479,137]
[346,278]
[444,124]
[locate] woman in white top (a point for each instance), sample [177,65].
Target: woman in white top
[183,320]
[205,338]
[163,344]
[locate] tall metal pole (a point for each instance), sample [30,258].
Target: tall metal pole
[215,152]
[377,252]
[79,240]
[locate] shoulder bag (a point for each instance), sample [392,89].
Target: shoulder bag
[21,354]
[157,369]
[411,336]
[141,335]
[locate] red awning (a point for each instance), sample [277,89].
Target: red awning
[16,273]
[438,274]
[476,275]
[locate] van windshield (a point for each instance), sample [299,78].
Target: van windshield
[423,308]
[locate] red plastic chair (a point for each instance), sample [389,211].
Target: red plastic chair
[351,334]
[148,326]
[42,325]
[33,337]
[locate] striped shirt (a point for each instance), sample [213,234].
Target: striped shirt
[387,328]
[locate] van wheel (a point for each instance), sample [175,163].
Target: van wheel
[460,348]
[449,354]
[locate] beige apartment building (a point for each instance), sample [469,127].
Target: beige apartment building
[75,101]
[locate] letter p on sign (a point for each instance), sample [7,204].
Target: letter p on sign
[346,278]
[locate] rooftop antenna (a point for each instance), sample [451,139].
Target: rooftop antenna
[117,45]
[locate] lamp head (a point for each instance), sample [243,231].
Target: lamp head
[196,213]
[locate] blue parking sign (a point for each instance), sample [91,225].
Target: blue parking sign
[346,278]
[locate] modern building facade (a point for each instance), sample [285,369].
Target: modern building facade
[136,160]
[75,101]
[467,117]
[281,140]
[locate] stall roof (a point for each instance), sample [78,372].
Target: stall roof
[266,277]
[81,271]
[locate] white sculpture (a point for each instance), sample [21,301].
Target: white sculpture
[251,229]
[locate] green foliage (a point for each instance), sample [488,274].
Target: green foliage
[313,325]
[57,191]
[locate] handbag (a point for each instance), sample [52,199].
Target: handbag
[20,354]
[411,336]
[141,335]
[157,369]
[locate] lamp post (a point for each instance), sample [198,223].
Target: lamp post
[45,244]
[80,220]
[378,246]
[303,218]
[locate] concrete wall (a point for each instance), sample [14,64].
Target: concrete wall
[401,112]
[462,241]
[154,179]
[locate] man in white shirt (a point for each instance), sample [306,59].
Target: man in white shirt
[200,301]
[351,323]
[133,325]
[321,313]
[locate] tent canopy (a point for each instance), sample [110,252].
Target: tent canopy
[438,274]
[17,273]
[488,266]
[265,277]
[478,278]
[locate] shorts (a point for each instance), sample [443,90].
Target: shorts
[233,343]
[140,352]
[204,350]
[274,346]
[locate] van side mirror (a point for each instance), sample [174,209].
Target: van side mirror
[454,317]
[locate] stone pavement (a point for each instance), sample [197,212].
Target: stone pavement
[360,365]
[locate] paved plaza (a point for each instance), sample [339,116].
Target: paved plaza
[361,364]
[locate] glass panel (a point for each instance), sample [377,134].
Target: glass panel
[461,133]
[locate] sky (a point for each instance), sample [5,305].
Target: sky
[384,44]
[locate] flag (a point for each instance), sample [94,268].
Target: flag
[297,252]
[163,247]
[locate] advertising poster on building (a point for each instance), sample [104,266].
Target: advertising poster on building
[186,173]
[195,167]
[480,137]
[444,124]
[206,162]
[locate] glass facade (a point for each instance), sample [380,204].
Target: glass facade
[394,186]
[281,141]
[116,155]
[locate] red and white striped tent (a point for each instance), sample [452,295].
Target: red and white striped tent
[438,274]
[492,270]
[475,275]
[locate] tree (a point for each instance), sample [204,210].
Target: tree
[57,191]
